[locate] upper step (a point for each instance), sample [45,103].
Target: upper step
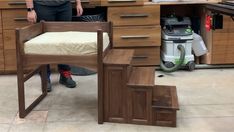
[119,57]
[142,77]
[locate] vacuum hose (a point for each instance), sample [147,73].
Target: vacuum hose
[177,66]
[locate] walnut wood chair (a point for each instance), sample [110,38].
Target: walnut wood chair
[26,61]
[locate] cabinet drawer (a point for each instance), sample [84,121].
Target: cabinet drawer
[137,36]
[121,2]
[146,56]
[10,60]
[12,4]
[9,39]
[137,15]
[14,18]
[1,54]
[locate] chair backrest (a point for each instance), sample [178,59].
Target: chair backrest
[76,26]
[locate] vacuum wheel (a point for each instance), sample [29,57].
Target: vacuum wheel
[191,66]
[168,64]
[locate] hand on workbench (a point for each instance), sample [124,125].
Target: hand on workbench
[32,17]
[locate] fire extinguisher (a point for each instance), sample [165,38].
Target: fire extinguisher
[208,23]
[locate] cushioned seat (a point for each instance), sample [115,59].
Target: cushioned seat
[65,43]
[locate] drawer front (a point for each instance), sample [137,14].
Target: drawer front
[9,39]
[1,54]
[12,4]
[137,36]
[14,18]
[10,60]
[138,15]
[121,2]
[146,56]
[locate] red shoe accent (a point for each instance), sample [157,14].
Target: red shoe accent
[66,74]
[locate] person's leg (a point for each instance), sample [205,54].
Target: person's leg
[64,13]
[45,13]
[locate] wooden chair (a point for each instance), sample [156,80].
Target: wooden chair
[26,61]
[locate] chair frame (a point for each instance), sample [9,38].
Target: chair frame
[27,61]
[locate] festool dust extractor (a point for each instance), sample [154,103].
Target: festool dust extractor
[177,37]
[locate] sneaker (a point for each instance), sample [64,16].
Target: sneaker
[66,79]
[49,87]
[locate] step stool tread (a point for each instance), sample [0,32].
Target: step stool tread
[119,57]
[142,77]
[165,97]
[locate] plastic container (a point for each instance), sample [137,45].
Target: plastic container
[198,46]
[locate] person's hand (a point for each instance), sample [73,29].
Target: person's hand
[79,10]
[32,17]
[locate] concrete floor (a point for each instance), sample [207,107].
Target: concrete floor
[206,99]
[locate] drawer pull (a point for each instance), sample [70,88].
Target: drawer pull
[133,15]
[140,57]
[135,37]
[17,3]
[21,19]
[113,1]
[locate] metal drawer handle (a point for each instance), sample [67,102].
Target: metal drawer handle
[133,15]
[135,37]
[21,19]
[17,3]
[140,57]
[113,1]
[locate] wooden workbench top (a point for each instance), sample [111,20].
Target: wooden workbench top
[183,2]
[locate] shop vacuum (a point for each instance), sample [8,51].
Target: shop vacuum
[176,49]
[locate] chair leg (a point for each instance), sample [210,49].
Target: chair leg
[21,93]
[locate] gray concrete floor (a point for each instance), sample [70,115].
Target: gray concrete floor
[206,99]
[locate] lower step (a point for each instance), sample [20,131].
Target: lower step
[164,106]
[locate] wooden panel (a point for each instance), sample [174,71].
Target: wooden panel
[137,36]
[121,2]
[115,101]
[0,22]
[140,105]
[138,15]
[146,56]
[12,4]
[9,39]
[222,44]
[1,54]
[10,60]
[12,20]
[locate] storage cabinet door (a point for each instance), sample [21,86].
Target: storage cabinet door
[140,105]
[115,90]
[134,16]
[137,36]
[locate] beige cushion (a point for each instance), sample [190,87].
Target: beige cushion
[65,43]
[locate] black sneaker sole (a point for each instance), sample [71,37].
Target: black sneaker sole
[65,84]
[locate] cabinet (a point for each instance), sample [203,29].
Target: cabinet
[137,27]
[220,44]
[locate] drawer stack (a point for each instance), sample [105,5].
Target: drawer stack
[138,28]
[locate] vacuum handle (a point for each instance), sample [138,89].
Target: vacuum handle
[179,41]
